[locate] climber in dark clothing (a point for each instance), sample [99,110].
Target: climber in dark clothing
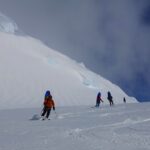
[98,99]
[110,98]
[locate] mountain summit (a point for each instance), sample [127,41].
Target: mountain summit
[7,25]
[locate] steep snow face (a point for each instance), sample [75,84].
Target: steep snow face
[7,25]
[28,68]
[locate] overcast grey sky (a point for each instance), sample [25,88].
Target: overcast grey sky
[111,37]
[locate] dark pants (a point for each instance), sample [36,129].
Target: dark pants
[97,104]
[46,111]
[111,102]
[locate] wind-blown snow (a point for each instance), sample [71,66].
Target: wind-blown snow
[122,127]
[28,68]
[7,25]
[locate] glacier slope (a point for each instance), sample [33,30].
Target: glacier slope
[28,68]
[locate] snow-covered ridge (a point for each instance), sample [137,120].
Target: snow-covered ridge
[28,68]
[7,25]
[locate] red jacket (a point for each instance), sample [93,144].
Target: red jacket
[49,102]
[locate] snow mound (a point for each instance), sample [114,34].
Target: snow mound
[36,117]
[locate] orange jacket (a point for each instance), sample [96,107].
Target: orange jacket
[48,102]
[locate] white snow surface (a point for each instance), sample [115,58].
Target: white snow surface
[122,127]
[28,68]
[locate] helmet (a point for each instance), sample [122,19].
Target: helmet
[47,93]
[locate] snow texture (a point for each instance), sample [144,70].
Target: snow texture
[124,126]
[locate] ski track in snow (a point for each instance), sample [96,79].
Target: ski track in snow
[83,128]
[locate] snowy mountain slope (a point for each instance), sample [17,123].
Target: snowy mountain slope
[28,68]
[78,128]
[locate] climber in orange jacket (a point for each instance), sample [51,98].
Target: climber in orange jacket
[48,105]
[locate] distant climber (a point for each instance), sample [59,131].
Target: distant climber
[98,100]
[124,100]
[110,98]
[48,105]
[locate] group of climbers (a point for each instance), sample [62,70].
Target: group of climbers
[99,99]
[49,103]
[109,97]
